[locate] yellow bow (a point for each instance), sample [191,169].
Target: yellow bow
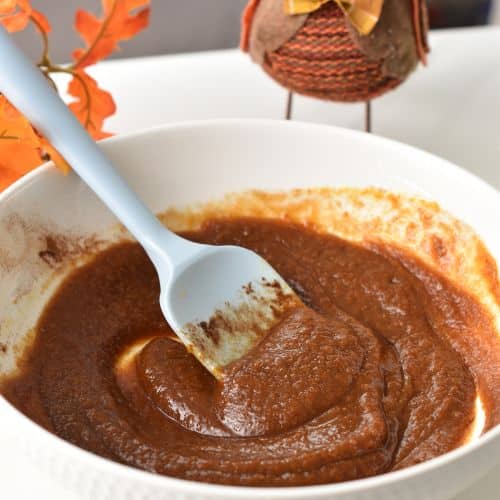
[363,14]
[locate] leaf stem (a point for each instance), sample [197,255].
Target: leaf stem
[44,59]
[50,80]
[100,34]
[88,97]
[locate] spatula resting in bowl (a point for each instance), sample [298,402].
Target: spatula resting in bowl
[219,300]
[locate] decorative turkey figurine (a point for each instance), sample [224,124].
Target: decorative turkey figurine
[338,50]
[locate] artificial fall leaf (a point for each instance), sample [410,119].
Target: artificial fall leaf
[11,6]
[16,159]
[15,128]
[22,148]
[7,6]
[15,14]
[121,20]
[92,105]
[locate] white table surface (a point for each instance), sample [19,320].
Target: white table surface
[452,108]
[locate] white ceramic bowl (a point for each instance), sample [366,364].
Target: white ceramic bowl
[182,164]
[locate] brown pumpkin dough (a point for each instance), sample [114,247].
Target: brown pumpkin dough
[377,373]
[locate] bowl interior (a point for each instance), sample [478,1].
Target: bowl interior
[191,163]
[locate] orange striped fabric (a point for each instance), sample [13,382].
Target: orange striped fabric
[323,61]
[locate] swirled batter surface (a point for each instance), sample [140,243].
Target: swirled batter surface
[380,371]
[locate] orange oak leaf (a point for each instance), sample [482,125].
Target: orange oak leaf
[15,14]
[22,148]
[19,145]
[16,159]
[92,104]
[7,6]
[14,127]
[121,20]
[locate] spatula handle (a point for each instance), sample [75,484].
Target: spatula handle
[27,89]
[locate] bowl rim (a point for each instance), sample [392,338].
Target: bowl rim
[246,492]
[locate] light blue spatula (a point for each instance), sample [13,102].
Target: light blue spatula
[199,283]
